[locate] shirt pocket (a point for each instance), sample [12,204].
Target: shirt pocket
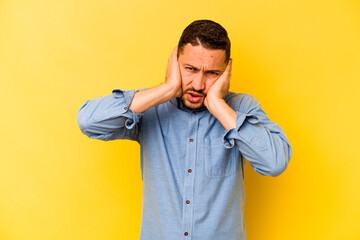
[219,161]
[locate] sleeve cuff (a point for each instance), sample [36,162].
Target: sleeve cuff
[128,96]
[232,134]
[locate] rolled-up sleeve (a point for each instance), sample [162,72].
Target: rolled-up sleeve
[262,142]
[109,117]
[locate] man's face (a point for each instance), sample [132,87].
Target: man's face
[199,69]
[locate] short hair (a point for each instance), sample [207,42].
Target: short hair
[206,33]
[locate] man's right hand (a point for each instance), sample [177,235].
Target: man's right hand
[164,92]
[173,76]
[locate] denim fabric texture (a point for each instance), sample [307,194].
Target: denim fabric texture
[192,168]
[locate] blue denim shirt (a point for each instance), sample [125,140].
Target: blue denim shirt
[192,168]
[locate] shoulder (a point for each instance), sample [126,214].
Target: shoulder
[241,101]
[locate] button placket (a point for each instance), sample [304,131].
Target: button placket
[189,177]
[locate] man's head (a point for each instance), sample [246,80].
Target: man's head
[205,33]
[203,53]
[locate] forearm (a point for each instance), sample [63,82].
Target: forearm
[223,113]
[151,97]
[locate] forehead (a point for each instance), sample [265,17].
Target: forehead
[201,57]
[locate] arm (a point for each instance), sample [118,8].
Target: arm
[162,93]
[109,118]
[262,142]
[117,116]
[215,102]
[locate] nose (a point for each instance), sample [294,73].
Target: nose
[198,83]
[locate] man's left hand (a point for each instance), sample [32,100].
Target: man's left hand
[220,88]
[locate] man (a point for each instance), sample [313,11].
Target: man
[194,137]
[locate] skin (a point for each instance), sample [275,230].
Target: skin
[200,77]
[200,68]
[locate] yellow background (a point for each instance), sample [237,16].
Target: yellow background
[300,59]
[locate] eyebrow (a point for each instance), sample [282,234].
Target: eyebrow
[188,65]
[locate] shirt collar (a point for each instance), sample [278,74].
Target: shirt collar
[179,104]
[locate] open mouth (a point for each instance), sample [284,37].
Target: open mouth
[194,97]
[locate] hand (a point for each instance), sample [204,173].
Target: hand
[173,77]
[221,86]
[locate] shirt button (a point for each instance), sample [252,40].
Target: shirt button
[194,112]
[191,140]
[186,233]
[125,108]
[187,202]
[189,170]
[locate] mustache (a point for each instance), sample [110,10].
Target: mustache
[195,91]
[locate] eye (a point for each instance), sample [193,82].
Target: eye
[189,68]
[214,74]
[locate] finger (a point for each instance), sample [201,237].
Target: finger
[227,72]
[225,77]
[229,66]
[173,55]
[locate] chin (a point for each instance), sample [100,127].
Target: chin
[193,105]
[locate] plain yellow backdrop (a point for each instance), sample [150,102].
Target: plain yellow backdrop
[300,59]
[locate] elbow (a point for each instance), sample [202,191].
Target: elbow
[84,126]
[82,119]
[280,162]
[92,129]
[277,169]
[89,130]
[83,122]
[273,169]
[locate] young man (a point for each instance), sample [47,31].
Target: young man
[194,137]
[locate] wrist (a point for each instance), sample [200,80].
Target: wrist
[212,103]
[173,90]
[222,112]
